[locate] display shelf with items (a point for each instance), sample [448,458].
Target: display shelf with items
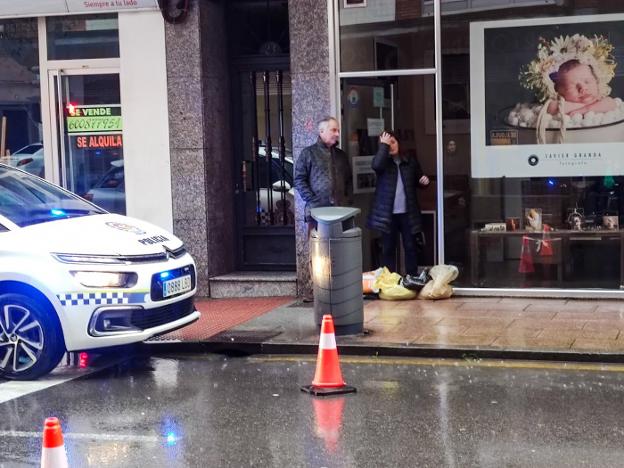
[550,233]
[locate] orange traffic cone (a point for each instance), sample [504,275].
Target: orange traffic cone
[53,452]
[328,378]
[328,415]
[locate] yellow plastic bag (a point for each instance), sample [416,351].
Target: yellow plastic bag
[390,288]
[439,287]
[368,281]
[386,279]
[397,293]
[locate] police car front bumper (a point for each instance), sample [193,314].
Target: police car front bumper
[112,320]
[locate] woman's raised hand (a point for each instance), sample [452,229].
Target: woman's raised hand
[385,137]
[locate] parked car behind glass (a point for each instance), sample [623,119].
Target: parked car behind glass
[29,158]
[110,191]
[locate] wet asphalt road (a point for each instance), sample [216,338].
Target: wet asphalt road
[214,411]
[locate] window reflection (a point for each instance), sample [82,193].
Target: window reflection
[94,158]
[20,99]
[384,39]
[82,37]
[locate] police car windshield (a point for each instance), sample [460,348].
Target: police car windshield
[27,200]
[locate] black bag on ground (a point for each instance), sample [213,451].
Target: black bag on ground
[416,283]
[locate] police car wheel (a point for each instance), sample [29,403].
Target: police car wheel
[31,342]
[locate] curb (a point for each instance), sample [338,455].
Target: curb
[251,348]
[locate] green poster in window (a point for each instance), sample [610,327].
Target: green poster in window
[94,124]
[378,96]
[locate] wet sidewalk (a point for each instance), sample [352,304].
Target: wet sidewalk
[487,327]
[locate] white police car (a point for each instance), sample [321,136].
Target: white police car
[74,277]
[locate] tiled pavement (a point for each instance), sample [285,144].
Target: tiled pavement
[510,324]
[501,323]
[218,315]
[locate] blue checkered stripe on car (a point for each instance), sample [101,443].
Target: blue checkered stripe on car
[98,298]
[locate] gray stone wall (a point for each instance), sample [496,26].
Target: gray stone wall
[309,65]
[200,139]
[220,209]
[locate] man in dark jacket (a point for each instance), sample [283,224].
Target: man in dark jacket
[323,176]
[395,205]
[322,171]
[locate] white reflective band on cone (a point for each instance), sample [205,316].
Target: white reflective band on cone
[328,341]
[54,457]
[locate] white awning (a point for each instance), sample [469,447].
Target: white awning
[25,8]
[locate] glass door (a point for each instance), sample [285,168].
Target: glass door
[370,106]
[87,135]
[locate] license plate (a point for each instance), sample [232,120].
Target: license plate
[177,286]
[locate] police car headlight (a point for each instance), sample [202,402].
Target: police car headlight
[105,279]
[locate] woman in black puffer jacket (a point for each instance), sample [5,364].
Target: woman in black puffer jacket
[395,205]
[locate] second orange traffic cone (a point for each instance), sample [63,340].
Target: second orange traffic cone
[53,451]
[328,377]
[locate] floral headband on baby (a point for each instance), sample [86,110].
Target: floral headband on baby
[596,52]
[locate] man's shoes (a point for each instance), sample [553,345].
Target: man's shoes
[416,283]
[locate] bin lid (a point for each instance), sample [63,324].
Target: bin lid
[333,214]
[353,232]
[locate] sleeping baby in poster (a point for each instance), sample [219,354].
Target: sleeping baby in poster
[570,80]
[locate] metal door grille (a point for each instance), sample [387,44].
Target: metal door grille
[267,170]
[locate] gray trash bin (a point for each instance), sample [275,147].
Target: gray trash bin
[336,256]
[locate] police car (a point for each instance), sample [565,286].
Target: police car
[75,277]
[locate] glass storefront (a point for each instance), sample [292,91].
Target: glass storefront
[21,134]
[82,99]
[79,93]
[527,202]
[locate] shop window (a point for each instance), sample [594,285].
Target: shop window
[525,204]
[20,98]
[379,35]
[82,37]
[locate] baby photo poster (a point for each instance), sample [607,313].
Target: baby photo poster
[547,97]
